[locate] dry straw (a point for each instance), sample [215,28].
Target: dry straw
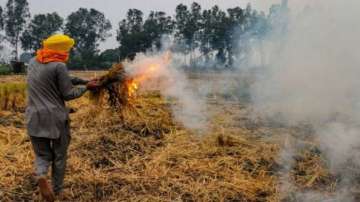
[139,153]
[12,96]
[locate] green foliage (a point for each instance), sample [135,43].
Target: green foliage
[16,15]
[188,25]
[136,35]
[104,60]
[108,57]
[215,33]
[156,25]
[182,33]
[212,32]
[131,35]
[4,69]
[40,27]
[216,23]
[88,27]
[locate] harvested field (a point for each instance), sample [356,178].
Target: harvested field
[12,78]
[13,96]
[142,154]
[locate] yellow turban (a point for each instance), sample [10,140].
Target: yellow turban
[59,42]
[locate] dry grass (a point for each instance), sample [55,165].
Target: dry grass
[114,84]
[12,96]
[139,153]
[12,78]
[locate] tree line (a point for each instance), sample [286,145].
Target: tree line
[205,37]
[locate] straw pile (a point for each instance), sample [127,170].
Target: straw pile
[139,153]
[113,86]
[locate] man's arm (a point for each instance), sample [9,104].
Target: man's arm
[66,87]
[78,81]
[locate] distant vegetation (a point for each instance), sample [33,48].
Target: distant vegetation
[4,69]
[203,36]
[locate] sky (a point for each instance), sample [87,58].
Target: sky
[115,10]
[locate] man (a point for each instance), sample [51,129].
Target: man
[47,118]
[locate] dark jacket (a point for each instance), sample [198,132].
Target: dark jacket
[49,86]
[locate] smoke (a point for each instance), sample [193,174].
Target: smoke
[5,52]
[311,76]
[163,74]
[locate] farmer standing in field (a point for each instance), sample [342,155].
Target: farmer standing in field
[47,118]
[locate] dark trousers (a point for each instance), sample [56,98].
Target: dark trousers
[51,152]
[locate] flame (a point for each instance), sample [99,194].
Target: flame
[140,78]
[147,72]
[132,86]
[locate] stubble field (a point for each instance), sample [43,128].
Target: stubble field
[143,154]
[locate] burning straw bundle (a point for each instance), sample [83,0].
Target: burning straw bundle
[120,86]
[116,84]
[145,115]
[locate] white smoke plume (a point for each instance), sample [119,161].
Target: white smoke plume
[163,74]
[312,76]
[5,52]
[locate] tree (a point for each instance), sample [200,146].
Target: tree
[1,36]
[16,15]
[40,27]
[156,25]
[136,35]
[131,35]
[214,32]
[108,57]
[279,16]
[1,19]
[88,27]
[217,32]
[221,32]
[188,24]
[219,41]
[1,25]
[236,21]
[206,33]
[181,18]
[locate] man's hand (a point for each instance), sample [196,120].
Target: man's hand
[93,85]
[78,81]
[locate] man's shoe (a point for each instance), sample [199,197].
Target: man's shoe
[45,190]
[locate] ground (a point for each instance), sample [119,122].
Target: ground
[142,154]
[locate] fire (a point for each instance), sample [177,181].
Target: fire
[132,88]
[146,72]
[140,78]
